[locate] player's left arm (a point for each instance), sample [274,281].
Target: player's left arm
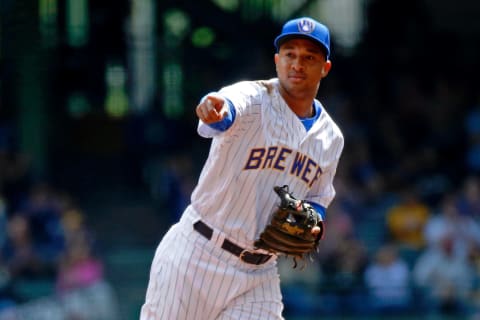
[323,192]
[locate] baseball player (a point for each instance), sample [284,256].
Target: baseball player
[264,133]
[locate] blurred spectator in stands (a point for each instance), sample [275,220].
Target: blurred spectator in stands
[474,297]
[7,295]
[300,287]
[176,183]
[448,221]
[74,226]
[44,208]
[387,279]
[79,266]
[444,278]
[340,228]
[19,251]
[6,299]
[469,198]
[405,221]
[343,257]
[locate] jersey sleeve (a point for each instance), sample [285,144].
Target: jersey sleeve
[240,96]
[243,95]
[226,122]
[213,129]
[323,191]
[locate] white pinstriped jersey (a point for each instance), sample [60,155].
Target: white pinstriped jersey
[193,277]
[266,145]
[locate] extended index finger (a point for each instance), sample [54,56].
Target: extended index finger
[216,101]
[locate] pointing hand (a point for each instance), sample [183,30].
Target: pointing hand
[212,109]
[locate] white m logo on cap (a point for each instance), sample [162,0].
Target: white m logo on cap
[306,26]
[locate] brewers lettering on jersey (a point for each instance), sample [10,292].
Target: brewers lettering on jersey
[263,133]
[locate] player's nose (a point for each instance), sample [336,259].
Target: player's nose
[297,65]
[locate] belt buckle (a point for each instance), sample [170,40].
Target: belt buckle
[243,253]
[256,258]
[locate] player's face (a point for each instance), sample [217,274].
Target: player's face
[301,64]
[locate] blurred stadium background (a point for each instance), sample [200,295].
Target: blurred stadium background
[99,152]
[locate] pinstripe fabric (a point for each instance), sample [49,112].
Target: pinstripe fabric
[204,282]
[267,145]
[263,120]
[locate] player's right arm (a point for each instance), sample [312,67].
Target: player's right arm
[212,108]
[216,111]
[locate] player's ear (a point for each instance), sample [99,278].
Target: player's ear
[276,58]
[326,68]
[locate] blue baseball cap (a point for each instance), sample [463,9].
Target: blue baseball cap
[308,28]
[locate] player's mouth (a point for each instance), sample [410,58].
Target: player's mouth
[296,77]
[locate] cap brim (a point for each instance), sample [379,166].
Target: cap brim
[287,36]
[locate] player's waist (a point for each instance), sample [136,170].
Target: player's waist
[192,219]
[241,238]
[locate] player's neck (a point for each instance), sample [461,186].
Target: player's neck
[303,108]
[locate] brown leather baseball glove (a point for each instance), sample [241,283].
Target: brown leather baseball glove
[290,229]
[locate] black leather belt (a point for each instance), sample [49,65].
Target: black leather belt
[244,255]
